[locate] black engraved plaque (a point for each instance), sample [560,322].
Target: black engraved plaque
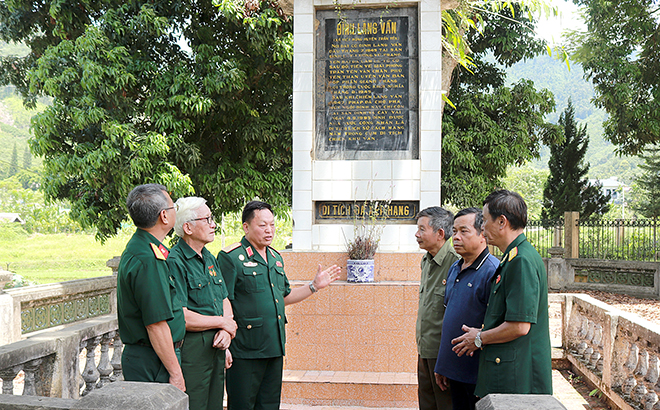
[366,99]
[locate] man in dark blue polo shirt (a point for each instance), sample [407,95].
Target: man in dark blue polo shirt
[466,298]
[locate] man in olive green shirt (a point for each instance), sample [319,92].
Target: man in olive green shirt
[209,318]
[259,289]
[434,229]
[515,337]
[151,321]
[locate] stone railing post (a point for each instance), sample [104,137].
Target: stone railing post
[571,235]
[10,313]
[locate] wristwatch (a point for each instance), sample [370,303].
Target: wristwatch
[477,340]
[312,288]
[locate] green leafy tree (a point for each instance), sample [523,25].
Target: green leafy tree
[13,164]
[493,126]
[620,53]
[648,200]
[528,182]
[132,105]
[567,187]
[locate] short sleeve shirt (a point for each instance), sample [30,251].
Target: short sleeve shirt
[466,298]
[519,293]
[431,299]
[146,291]
[256,289]
[198,279]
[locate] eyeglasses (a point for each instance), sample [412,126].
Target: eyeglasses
[175,207]
[209,219]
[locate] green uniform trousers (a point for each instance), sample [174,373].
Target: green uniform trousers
[255,384]
[203,369]
[142,364]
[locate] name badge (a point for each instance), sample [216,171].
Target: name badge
[249,264]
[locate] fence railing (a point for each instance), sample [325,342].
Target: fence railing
[543,234]
[619,239]
[50,361]
[624,239]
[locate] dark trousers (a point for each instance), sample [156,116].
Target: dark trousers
[462,395]
[429,393]
[203,369]
[255,384]
[142,364]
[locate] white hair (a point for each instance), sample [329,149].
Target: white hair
[187,211]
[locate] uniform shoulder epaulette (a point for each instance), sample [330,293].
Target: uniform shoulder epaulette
[513,253]
[231,247]
[158,253]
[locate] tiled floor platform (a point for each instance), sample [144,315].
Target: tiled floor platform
[377,391]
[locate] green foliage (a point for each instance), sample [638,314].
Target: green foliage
[648,184]
[528,182]
[567,188]
[130,105]
[29,204]
[548,72]
[489,132]
[620,53]
[492,126]
[27,158]
[13,163]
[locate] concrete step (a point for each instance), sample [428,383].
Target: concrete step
[315,390]
[344,389]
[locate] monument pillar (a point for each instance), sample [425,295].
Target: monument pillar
[367,111]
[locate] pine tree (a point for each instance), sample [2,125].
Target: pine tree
[27,158]
[648,203]
[13,165]
[567,188]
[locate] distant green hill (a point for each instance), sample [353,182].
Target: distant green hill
[547,72]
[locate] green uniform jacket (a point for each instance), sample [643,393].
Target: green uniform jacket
[519,293]
[256,289]
[198,282]
[431,300]
[146,292]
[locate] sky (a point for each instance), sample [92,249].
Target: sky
[550,29]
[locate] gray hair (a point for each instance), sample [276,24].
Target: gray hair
[439,218]
[144,204]
[187,211]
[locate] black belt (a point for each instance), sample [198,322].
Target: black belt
[177,345]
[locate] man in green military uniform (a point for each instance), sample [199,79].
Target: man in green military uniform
[434,228]
[515,338]
[259,289]
[151,321]
[209,318]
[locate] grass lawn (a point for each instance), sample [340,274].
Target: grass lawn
[60,257]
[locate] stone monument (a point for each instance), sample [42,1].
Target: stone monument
[367,109]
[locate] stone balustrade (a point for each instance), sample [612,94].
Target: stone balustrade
[50,363]
[35,308]
[617,351]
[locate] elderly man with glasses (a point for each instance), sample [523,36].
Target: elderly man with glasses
[210,326]
[151,321]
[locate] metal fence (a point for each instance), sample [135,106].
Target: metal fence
[620,239]
[543,234]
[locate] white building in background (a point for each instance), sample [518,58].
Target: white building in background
[10,217]
[613,187]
